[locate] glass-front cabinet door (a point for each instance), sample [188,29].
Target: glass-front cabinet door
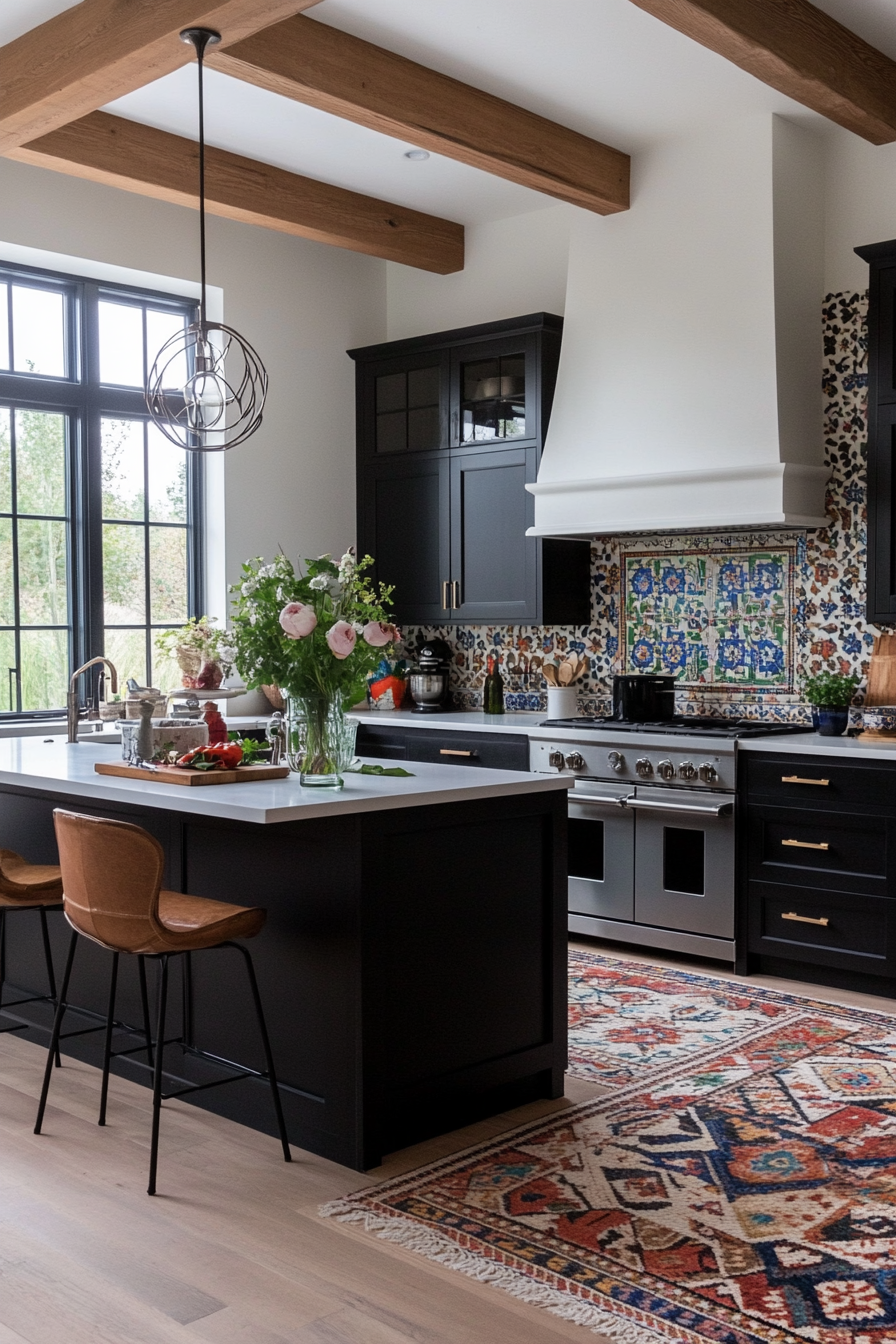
[494,393]
[405,405]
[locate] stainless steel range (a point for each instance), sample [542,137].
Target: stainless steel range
[651,827]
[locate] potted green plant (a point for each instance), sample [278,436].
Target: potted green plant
[830,695]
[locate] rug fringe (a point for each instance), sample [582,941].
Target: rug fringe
[443,1251]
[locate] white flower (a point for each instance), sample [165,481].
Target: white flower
[248,588]
[334,587]
[358,627]
[252,617]
[228,654]
[266,571]
[319,582]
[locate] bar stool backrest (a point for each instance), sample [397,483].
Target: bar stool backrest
[111,876]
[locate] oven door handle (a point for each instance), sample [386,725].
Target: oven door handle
[597,800]
[693,809]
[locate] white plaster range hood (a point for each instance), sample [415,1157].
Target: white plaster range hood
[689,390]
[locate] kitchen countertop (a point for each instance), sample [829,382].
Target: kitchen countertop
[813,744]
[520,721]
[60,767]
[53,727]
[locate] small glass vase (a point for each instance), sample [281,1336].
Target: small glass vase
[320,740]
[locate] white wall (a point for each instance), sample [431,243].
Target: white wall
[861,206]
[301,304]
[513,266]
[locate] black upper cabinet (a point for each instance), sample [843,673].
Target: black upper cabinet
[881,432]
[450,431]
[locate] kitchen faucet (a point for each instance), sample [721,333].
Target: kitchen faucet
[72,698]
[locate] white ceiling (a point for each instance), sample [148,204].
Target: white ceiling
[603,67]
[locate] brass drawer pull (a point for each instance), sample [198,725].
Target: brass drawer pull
[805,844]
[795,779]
[804,919]
[449,751]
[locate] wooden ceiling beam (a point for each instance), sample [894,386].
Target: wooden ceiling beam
[127,154]
[102,49]
[338,73]
[798,50]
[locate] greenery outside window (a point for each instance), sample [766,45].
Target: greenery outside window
[100,517]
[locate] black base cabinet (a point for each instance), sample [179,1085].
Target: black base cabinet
[818,870]
[491,751]
[450,430]
[412,967]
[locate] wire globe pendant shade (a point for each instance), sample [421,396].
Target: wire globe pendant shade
[207,387]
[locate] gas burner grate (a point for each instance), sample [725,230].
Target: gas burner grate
[683,725]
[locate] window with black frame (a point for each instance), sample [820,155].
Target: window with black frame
[100,544]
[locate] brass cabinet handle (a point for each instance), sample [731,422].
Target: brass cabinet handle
[795,779]
[805,844]
[449,751]
[804,919]
[455,595]
[446,605]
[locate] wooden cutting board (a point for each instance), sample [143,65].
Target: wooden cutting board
[882,672]
[170,774]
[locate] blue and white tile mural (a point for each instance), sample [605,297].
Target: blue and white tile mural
[738,618]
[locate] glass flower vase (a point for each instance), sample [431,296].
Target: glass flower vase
[320,740]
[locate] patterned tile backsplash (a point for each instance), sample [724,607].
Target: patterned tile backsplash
[739,618]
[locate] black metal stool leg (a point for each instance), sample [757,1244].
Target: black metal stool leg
[157,1074]
[144,999]
[57,1027]
[107,1045]
[268,1057]
[2,953]
[51,975]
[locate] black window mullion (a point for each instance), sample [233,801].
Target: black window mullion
[14,502]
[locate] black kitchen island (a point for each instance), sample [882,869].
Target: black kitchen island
[413,964]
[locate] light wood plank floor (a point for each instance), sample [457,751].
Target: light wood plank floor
[231,1251]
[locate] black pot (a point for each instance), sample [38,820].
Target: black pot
[643,698]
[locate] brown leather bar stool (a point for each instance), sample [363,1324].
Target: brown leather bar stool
[112,878]
[28,886]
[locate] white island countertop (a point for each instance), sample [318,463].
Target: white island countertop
[58,767]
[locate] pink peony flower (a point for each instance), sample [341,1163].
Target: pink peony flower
[378,634]
[297,620]
[341,639]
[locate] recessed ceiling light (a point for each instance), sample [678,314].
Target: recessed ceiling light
[416,154]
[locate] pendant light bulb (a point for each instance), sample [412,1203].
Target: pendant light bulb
[214,409]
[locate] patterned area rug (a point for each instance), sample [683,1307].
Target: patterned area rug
[736,1183]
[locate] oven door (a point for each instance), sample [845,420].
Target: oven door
[684,871]
[601,850]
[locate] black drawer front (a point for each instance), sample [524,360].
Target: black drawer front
[827,928]
[817,782]
[490,751]
[813,848]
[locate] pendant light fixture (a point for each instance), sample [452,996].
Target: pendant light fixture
[207,387]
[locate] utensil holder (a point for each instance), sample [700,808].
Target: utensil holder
[562,702]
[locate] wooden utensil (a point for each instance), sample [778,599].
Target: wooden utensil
[550,674]
[565,674]
[882,672]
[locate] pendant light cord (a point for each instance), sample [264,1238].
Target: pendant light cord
[200,53]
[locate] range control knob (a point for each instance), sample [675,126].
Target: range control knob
[644,768]
[687,770]
[555,760]
[616,761]
[708,772]
[666,770]
[575,761]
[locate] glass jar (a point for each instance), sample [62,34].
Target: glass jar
[320,740]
